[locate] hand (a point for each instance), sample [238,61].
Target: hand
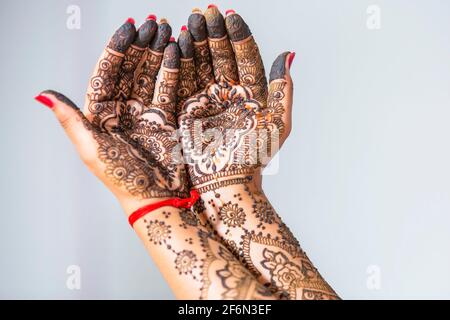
[126,133]
[236,123]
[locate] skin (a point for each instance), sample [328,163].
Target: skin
[232,244]
[126,144]
[227,172]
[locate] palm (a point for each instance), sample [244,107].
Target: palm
[132,112]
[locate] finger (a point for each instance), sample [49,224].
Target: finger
[148,68]
[75,124]
[187,85]
[249,62]
[164,99]
[279,102]
[104,79]
[203,63]
[133,56]
[110,159]
[224,62]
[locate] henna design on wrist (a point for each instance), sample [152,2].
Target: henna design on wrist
[145,80]
[215,23]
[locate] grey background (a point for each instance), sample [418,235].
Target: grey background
[363,179]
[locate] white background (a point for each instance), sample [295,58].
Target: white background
[364,179]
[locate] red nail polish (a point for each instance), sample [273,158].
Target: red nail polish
[172,39]
[45,101]
[130,20]
[212,6]
[230,11]
[151,17]
[183,28]
[291,59]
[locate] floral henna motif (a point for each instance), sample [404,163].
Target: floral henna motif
[232,215]
[225,134]
[237,281]
[185,262]
[295,281]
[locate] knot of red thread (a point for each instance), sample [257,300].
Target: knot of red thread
[174,202]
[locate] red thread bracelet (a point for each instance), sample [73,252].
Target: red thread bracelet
[174,202]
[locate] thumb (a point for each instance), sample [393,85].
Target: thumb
[75,124]
[281,89]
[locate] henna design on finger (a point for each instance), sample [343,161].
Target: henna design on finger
[186,44]
[131,60]
[123,37]
[187,84]
[172,56]
[146,33]
[237,28]
[278,69]
[215,23]
[162,37]
[197,26]
[203,64]
[224,63]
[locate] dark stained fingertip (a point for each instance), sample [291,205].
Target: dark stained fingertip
[186,44]
[62,98]
[278,70]
[172,56]
[215,24]
[162,37]
[237,28]
[197,26]
[123,37]
[145,33]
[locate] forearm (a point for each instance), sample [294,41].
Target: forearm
[192,260]
[254,232]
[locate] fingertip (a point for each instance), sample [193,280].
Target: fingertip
[162,37]
[215,23]
[236,27]
[197,26]
[172,56]
[186,44]
[123,37]
[280,66]
[145,33]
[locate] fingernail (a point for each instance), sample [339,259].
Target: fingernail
[183,28]
[212,6]
[291,59]
[197,10]
[45,101]
[172,39]
[229,12]
[151,17]
[130,20]
[163,20]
